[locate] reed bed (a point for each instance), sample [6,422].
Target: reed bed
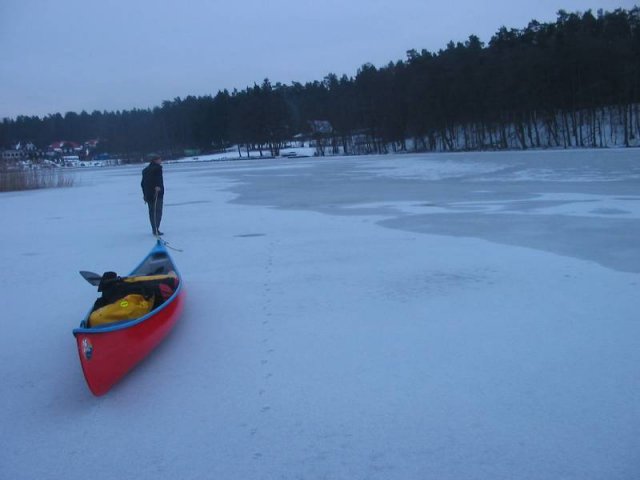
[12,180]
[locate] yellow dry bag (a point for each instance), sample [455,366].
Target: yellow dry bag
[128,308]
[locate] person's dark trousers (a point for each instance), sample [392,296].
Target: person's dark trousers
[155,217]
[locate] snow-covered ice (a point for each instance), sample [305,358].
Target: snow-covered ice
[463,316]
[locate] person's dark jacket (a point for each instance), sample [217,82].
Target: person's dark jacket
[152,178]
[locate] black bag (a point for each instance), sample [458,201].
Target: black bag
[114,288]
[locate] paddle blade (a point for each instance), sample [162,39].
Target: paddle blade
[91,277]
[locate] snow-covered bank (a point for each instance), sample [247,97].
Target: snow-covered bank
[489,334]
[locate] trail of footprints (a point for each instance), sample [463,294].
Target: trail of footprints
[266,343]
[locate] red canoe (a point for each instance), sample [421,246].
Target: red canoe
[108,352]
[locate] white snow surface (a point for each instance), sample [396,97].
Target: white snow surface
[467,316]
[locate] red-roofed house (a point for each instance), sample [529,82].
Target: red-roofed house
[65,147]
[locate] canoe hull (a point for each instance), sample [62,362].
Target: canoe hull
[108,354]
[106,357]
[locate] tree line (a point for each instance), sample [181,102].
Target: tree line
[573,82]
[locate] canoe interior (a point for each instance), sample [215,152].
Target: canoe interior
[157,262]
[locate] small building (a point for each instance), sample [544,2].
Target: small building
[65,147]
[11,155]
[320,127]
[321,133]
[28,147]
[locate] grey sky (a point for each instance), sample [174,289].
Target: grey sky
[73,55]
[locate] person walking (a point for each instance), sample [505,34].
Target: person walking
[153,191]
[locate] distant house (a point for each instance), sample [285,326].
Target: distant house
[28,147]
[11,155]
[21,151]
[320,127]
[65,147]
[321,132]
[300,139]
[89,148]
[191,152]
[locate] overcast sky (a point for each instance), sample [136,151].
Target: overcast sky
[74,55]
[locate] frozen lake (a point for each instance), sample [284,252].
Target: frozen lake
[576,203]
[449,316]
